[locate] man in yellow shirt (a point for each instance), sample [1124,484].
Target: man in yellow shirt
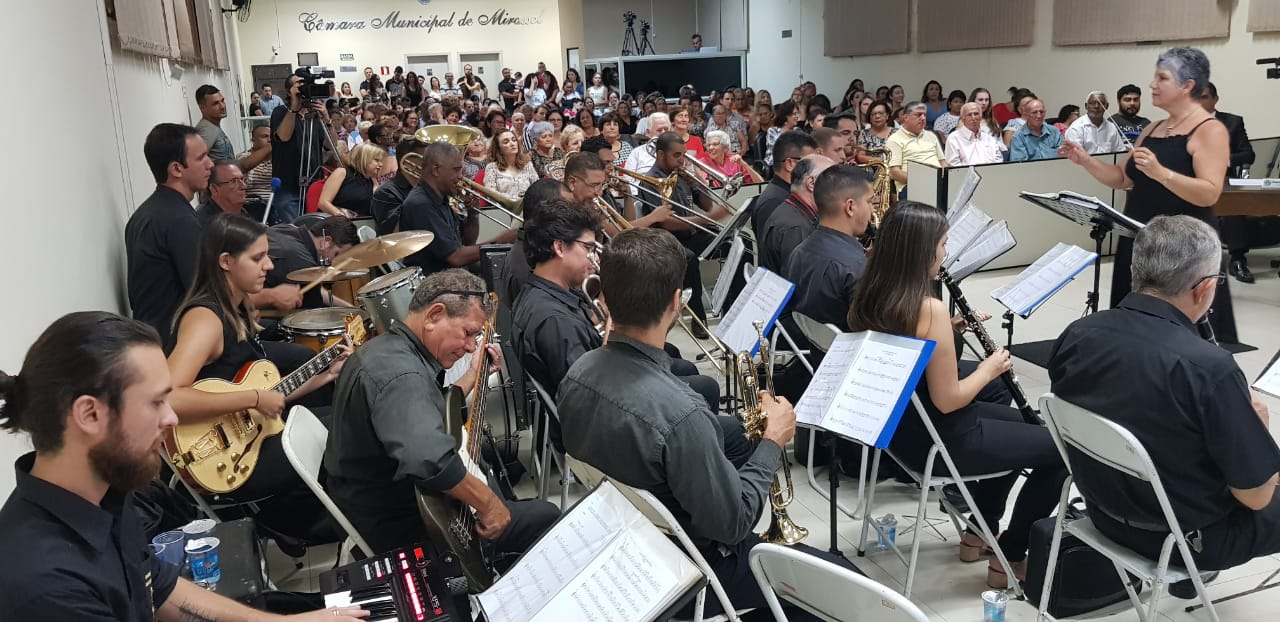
[912,143]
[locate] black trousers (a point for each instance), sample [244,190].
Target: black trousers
[731,568]
[1230,542]
[1235,235]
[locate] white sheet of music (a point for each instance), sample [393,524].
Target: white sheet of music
[970,186]
[760,301]
[731,267]
[995,241]
[459,369]
[1269,381]
[861,387]
[1042,279]
[969,224]
[602,561]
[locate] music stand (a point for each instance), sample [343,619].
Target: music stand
[731,228]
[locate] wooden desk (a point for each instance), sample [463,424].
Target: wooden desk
[1253,202]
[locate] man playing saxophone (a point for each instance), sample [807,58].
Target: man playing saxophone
[625,414]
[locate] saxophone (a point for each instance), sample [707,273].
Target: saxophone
[782,530]
[882,188]
[989,346]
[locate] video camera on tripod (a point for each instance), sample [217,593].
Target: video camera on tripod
[311,88]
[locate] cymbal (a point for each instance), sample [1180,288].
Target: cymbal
[383,249]
[324,274]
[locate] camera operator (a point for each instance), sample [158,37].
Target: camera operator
[297,140]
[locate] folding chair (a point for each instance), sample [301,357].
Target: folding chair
[825,589]
[1111,445]
[547,408]
[366,233]
[928,481]
[303,442]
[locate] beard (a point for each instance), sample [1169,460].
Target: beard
[121,467]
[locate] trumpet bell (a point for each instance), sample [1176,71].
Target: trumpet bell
[783,530]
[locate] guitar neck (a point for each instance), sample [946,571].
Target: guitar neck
[301,375]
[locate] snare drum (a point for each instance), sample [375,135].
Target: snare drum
[319,328]
[350,285]
[387,297]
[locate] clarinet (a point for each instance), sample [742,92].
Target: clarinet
[1010,380]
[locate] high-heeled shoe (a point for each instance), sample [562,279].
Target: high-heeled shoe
[972,548]
[998,580]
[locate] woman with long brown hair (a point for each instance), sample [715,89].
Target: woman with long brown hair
[971,411]
[509,171]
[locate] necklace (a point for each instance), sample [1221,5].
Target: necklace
[1168,128]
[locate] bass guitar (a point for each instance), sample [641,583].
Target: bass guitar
[218,455]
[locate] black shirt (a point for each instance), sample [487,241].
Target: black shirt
[788,226]
[774,193]
[287,156]
[552,326]
[355,194]
[235,353]
[291,248]
[514,274]
[824,268]
[508,86]
[161,243]
[210,210]
[648,201]
[1143,365]
[426,210]
[386,202]
[72,560]
[387,436]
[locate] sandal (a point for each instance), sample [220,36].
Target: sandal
[972,548]
[998,580]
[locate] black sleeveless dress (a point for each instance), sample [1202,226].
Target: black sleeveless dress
[1150,198]
[356,194]
[235,353]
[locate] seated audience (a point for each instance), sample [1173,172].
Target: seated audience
[1035,140]
[968,144]
[912,143]
[1094,131]
[1129,100]
[348,191]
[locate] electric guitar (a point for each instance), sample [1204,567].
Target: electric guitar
[219,455]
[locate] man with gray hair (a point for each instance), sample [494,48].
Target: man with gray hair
[1143,366]
[913,142]
[643,157]
[968,144]
[388,440]
[1094,132]
[797,217]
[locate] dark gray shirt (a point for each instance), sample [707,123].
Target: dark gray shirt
[626,414]
[387,436]
[788,226]
[824,268]
[424,209]
[552,328]
[386,202]
[774,193]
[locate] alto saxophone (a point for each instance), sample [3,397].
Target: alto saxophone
[1010,379]
[882,188]
[782,530]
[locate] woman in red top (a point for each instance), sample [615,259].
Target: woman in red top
[681,121]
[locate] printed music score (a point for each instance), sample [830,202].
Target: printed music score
[1084,210]
[720,293]
[863,385]
[603,560]
[1269,381]
[459,369]
[974,240]
[967,189]
[1042,279]
[762,299]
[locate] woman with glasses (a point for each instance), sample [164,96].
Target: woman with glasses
[874,137]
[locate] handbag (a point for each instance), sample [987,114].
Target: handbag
[1084,580]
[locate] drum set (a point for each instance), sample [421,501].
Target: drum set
[381,301]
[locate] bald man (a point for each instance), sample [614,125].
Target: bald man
[968,144]
[796,217]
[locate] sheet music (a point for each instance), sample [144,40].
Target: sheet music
[760,301]
[970,186]
[1269,381]
[863,384]
[1042,279]
[459,369]
[994,242]
[731,267]
[970,222]
[602,561]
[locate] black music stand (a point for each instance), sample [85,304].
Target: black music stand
[731,228]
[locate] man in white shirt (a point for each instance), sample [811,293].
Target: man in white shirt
[642,158]
[968,144]
[1094,131]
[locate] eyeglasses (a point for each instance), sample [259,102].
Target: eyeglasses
[1221,277]
[239,181]
[593,247]
[597,187]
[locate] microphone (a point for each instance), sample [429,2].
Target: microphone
[275,185]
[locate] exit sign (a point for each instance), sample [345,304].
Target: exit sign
[348,57]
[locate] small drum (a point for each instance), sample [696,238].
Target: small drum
[319,328]
[387,297]
[350,285]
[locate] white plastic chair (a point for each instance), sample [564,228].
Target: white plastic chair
[825,589]
[549,453]
[303,442]
[927,482]
[1111,445]
[366,233]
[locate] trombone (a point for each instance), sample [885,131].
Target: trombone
[730,185]
[511,207]
[459,136]
[665,187]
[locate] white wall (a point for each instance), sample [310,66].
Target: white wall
[65,214]
[673,22]
[1059,75]
[277,23]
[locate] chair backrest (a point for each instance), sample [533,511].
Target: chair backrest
[366,233]
[303,442]
[587,474]
[819,335]
[543,396]
[825,589]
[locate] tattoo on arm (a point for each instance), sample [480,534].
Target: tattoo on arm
[191,614]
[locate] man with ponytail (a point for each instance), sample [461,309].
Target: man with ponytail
[93,396]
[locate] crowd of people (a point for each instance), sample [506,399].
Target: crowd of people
[99,392]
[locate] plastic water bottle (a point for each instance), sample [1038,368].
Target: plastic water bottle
[887,534]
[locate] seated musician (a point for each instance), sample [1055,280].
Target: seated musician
[426,208]
[981,431]
[515,268]
[387,199]
[92,395]
[293,248]
[388,435]
[1143,366]
[626,414]
[215,337]
[619,195]
[797,217]
[787,151]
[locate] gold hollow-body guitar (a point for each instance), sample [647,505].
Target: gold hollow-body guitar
[219,455]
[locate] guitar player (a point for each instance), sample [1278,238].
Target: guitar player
[388,438]
[214,339]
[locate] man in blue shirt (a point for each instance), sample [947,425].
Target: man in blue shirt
[1034,140]
[268,100]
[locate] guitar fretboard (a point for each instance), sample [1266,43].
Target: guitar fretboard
[301,375]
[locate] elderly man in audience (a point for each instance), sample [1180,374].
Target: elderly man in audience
[1094,131]
[912,143]
[1035,140]
[1143,365]
[643,157]
[226,193]
[968,144]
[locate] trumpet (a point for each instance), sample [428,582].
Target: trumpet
[665,187]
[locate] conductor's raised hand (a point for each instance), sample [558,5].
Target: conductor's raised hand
[1072,150]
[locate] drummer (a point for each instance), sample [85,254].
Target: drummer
[294,248]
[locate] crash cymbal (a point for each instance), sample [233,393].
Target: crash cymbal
[384,249]
[324,274]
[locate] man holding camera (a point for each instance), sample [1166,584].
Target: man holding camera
[297,143]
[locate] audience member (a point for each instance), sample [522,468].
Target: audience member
[968,144]
[1094,131]
[1129,99]
[1035,140]
[912,143]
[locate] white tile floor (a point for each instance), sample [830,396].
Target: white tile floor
[946,589]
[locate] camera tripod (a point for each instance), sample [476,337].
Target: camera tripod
[630,45]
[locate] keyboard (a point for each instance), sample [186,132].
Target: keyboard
[404,585]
